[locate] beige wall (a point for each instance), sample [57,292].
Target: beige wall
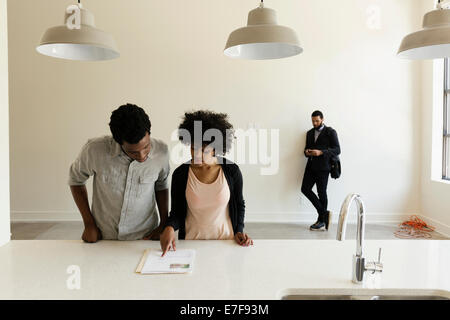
[172,61]
[4,129]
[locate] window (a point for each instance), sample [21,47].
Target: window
[446,131]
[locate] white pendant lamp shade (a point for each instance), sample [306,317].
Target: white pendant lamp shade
[262,38]
[432,42]
[86,43]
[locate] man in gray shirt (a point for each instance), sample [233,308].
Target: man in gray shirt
[130,170]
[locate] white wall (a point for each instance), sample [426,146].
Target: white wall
[434,192]
[4,128]
[172,61]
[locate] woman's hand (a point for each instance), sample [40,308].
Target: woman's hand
[167,240]
[243,239]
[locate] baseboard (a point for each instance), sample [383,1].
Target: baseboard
[43,216]
[440,227]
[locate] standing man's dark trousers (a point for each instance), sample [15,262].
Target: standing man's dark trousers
[320,179]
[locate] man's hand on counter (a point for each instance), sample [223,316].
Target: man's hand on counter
[167,240]
[91,234]
[243,239]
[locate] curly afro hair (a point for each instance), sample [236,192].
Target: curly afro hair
[129,123]
[219,124]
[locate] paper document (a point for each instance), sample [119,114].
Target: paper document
[179,261]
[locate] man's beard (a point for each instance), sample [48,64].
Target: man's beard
[318,126]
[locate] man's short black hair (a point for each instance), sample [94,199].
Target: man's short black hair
[129,123]
[317,113]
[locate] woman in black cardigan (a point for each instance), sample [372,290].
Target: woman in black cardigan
[206,167]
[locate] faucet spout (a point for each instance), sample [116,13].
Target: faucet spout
[359,262]
[342,225]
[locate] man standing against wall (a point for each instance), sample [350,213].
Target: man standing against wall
[130,171]
[321,145]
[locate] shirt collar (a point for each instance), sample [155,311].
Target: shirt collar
[115,148]
[321,127]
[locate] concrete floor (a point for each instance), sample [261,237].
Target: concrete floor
[73,231]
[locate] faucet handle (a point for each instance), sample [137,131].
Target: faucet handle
[375,266]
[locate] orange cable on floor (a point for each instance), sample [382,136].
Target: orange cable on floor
[414,228]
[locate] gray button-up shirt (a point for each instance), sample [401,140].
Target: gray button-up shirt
[123,201]
[317,132]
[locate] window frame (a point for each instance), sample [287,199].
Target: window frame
[446,118]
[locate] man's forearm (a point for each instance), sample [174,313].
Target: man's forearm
[333,151]
[80,196]
[162,201]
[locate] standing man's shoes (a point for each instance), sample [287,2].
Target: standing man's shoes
[327,219]
[318,226]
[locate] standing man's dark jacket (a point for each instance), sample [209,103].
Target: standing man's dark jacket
[328,143]
[236,205]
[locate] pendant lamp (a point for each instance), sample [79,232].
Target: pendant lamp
[433,41]
[262,38]
[84,42]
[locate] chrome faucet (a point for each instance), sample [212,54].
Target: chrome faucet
[360,266]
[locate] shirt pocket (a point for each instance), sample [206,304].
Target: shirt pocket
[146,185]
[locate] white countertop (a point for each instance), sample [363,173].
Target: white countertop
[37,269]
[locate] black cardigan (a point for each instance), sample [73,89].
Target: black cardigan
[236,205]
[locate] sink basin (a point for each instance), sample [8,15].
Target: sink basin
[362,294]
